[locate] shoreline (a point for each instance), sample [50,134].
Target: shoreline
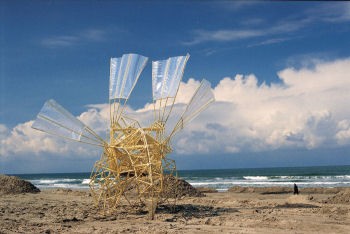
[237,211]
[239,189]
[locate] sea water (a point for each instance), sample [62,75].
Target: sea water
[221,179]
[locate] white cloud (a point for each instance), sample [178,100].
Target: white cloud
[343,134]
[93,34]
[322,13]
[308,109]
[270,41]
[224,35]
[88,35]
[23,140]
[235,5]
[331,12]
[3,129]
[59,41]
[96,117]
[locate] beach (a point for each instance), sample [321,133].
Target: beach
[238,210]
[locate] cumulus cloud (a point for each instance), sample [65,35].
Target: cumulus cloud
[307,109]
[23,140]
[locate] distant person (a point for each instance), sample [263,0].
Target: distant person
[296,190]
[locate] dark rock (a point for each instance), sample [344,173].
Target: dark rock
[15,185]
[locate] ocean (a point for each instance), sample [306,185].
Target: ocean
[221,179]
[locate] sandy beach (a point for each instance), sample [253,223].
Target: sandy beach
[240,210]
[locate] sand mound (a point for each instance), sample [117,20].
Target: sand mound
[175,187]
[15,185]
[342,197]
[298,199]
[261,190]
[283,190]
[320,190]
[207,190]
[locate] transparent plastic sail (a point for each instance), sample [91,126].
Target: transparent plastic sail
[200,100]
[56,120]
[124,73]
[166,76]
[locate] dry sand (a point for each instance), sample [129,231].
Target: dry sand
[238,211]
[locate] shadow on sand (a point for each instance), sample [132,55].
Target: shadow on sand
[189,211]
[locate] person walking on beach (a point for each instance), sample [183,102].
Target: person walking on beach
[296,190]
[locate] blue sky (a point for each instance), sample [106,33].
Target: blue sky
[61,50]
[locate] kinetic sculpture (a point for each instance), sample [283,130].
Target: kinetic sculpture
[134,158]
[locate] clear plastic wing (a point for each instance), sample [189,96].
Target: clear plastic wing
[166,76]
[201,99]
[124,73]
[55,120]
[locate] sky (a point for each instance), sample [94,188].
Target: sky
[280,73]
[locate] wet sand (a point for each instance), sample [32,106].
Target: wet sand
[238,211]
